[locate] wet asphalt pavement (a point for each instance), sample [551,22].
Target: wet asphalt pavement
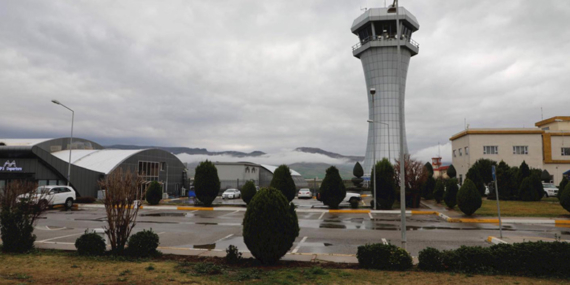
[320,232]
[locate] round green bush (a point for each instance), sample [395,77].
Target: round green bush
[332,188]
[438,191]
[270,225]
[565,197]
[248,191]
[91,244]
[154,193]
[468,198]
[383,256]
[206,182]
[431,259]
[450,195]
[283,181]
[143,244]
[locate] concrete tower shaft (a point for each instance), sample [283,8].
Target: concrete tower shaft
[377,50]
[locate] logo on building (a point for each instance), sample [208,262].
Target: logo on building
[10,166]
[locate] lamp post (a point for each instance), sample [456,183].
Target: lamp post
[373,121]
[70,141]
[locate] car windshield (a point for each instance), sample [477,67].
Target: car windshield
[548,185]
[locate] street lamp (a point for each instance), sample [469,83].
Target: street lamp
[372,93]
[70,141]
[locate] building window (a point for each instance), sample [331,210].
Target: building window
[490,149]
[162,166]
[466,150]
[454,155]
[149,170]
[566,151]
[520,149]
[460,152]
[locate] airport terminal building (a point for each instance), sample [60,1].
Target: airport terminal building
[45,161]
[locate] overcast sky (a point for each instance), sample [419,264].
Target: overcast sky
[271,75]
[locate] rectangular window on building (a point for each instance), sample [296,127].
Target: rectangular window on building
[466,150]
[454,154]
[566,151]
[460,152]
[520,149]
[490,149]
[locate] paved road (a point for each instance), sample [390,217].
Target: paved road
[320,232]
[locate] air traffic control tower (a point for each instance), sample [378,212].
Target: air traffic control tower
[378,51]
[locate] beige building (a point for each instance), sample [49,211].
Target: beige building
[546,147]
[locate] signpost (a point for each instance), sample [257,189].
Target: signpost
[494,172]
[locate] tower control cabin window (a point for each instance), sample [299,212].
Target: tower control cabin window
[520,149]
[490,149]
[566,151]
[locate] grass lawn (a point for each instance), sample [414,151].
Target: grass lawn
[547,207]
[57,267]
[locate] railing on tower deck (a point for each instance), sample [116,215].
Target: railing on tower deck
[384,38]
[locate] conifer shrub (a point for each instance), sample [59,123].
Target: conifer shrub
[358,172]
[154,193]
[450,196]
[283,181]
[561,186]
[90,244]
[248,191]
[383,256]
[385,187]
[332,188]
[438,190]
[143,244]
[206,182]
[468,198]
[270,225]
[428,188]
[451,172]
[565,197]
[475,177]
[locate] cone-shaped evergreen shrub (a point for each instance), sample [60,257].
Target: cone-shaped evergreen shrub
[475,177]
[270,225]
[451,172]
[565,198]
[386,187]
[154,193]
[438,191]
[536,184]
[526,193]
[450,196]
[561,186]
[468,198]
[428,188]
[332,189]
[357,171]
[283,182]
[206,182]
[248,191]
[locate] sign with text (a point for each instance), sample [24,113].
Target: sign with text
[10,166]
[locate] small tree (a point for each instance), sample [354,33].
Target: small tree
[358,172]
[536,183]
[332,189]
[565,197]
[438,191]
[18,216]
[428,188]
[154,193]
[283,181]
[503,181]
[270,225]
[248,191]
[468,198]
[523,172]
[484,166]
[451,172]
[385,188]
[206,182]
[475,177]
[121,193]
[450,196]
[561,186]
[415,177]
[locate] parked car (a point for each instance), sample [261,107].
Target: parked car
[550,190]
[305,193]
[51,195]
[352,198]
[231,194]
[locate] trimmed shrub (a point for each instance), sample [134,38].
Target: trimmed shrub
[431,259]
[143,244]
[561,186]
[248,191]
[357,171]
[90,244]
[451,172]
[383,256]
[386,187]
[332,188]
[270,225]
[154,193]
[428,188]
[206,182]
[450,196]
[283,182]
[526,192]
[565,197]
[475,177]
[468,198]
[438,191]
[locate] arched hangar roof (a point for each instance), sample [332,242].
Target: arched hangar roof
[100,160]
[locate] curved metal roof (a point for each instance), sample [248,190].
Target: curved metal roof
[272,168]
[100,160]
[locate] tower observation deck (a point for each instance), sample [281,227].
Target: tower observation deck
[377,50]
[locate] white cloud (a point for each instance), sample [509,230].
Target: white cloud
[426,154]
[278,158]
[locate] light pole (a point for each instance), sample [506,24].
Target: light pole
[373,121]
[70,141]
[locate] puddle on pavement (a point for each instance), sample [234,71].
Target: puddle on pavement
[223,244]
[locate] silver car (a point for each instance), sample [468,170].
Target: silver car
[550,190]
[231,194]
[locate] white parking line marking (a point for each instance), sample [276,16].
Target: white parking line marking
[299,245]
[226,237]
[59,237]
[384,241]
[370,215]
[322,215]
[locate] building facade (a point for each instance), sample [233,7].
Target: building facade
[235,174]
[545,147]
[377,50]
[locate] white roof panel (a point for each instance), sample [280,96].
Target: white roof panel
[22,142]
[272,168]
[101,160]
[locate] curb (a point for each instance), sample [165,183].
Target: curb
[494,240]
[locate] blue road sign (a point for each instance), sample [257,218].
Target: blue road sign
[493,172]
